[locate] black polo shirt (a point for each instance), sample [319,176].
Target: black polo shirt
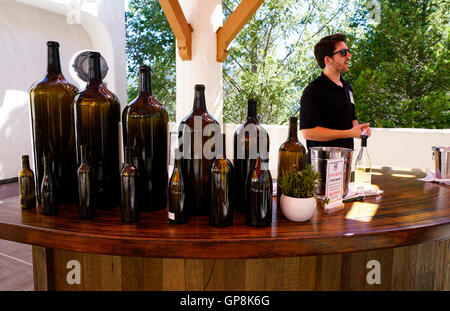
[326,104]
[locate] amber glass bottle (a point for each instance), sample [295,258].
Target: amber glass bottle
[26,185]
[145,124]
[97,114]
[249,140]
[177,207]
[291,152]
[52,126]
[49,202]
[129,208]
[86,202]
[259,194]
[222,188]
[196,163]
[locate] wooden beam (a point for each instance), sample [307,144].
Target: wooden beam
[180,27]
[235,22]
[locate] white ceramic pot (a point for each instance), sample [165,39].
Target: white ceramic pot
[298,209]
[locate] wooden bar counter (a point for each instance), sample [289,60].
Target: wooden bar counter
[407,230]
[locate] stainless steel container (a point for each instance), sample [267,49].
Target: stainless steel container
[319,157]
[441,156]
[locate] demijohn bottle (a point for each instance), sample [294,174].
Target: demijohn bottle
[49,203]
[52,126]
[86,202]
[177,196]
[249,140]
[145,129]
[291,152]
[26,185]
[363,167]
[97,114]
[259,191]
[198,147]
[129,208]
[222,188]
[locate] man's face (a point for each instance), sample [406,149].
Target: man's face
[337,61]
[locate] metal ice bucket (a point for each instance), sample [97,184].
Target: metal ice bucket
[441,157]
[319,157]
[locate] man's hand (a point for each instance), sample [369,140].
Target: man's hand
[358,129]
[319,133]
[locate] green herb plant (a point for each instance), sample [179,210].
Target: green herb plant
[299,183]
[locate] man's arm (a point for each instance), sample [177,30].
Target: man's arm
[319,133]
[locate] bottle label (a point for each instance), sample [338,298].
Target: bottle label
[171,216]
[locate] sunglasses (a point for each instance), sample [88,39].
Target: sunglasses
[343,52]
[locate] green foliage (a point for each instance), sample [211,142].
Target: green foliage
[272,58]
[299,184]
[150,41]
[400,67]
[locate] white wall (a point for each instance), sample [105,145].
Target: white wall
[25,27]
[24,32]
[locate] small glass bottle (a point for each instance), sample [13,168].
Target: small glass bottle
[26,185]
[177,199]
[363,167]
[221,177]
[129,209]
[49,202]
[258,197]
[85,186]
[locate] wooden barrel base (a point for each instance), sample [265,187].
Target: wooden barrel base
[417,267]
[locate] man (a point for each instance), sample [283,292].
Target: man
[327,111]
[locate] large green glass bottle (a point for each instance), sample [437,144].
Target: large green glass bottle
[291,152]
[250,139]
[198,133]
[145,124]
[52,126]
[97,115]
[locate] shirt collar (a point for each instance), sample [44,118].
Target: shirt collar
[330,83]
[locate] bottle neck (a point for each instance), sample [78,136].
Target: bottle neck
[128,156]
[95,75]
[46,166]
[221,154]
[145,82]
[199,100]
[25,163]
[293,129]
[53,61]
[251,111]
[83,154]
[363,141]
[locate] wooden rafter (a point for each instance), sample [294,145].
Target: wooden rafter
[180,27]
[235,22]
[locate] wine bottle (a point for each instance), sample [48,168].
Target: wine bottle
[291,152]
[197,133]
[363,167]
[222,188]
[250,139]
[129,208]
[97,114]
[145,124]
[52,126]
[177,196]
[26,185]
[49,203]
[86,204]
[259,191]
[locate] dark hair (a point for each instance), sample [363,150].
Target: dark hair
[326,46]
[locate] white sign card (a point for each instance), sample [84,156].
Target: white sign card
[334,185]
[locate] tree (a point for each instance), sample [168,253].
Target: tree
[272,58]
[400,68]
[150,41]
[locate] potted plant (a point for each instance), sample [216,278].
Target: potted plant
[298,201]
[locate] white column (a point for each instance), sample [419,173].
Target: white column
[205,17]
